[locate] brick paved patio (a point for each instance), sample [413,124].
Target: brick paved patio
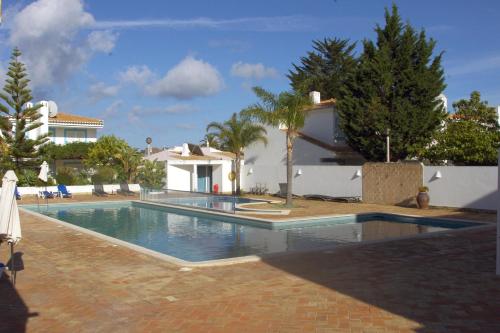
[77,283]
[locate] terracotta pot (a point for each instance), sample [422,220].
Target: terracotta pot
[423,200]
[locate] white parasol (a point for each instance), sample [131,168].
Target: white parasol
[10,226]
[44,172]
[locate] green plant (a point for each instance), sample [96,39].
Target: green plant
[27,177]
[152,174]
[423,189]
[16,94]
[470,137]
[104,175]
[235,134]
[286,110]
[394,88]
[325,69]
[66,176]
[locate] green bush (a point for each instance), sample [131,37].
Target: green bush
[66,176]
[104,175]
[27,178]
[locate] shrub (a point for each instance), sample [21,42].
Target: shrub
[104,175]
[66,176]
[28,177]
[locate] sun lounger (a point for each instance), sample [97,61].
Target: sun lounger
[124,189]
[99,190]
[330,198]
[64,191]
[46,195]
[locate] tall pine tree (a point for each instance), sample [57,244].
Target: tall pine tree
[18,119]
[325,69]
[394,88]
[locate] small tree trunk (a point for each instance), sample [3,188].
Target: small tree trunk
[289,169]
[237,171]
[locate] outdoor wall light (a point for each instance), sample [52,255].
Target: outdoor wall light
[438,175]
[250,171]
[357,174]
[299,172]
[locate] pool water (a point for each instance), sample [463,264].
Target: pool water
[201,237]
[223,203]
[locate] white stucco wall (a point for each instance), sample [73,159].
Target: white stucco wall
[463,186]
[179,177]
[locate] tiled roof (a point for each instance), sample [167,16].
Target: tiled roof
[72,118]
[323,104]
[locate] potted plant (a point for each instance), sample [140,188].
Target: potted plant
[423,197]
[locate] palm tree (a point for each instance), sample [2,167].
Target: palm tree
[210,139]
[235,134]
[285,110]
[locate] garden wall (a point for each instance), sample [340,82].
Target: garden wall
[463,186]
[75,189]
[459,186]
[392,183]
[339,181]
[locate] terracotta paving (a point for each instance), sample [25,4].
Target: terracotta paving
[74,282]
[304,208]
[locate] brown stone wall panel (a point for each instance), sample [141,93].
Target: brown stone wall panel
[392,183]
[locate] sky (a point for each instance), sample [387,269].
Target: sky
[165,69]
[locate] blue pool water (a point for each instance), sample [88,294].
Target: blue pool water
[201,236]
[223,203]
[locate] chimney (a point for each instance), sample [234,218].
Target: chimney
[185,150]
[315,97]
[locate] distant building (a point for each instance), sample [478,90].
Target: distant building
[198,169]
[65,128]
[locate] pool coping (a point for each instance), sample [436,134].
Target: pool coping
[478,225]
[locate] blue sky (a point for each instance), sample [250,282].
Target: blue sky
[165,69]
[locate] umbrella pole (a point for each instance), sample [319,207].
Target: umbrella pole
[12,269]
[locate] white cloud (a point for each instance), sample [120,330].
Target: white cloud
[52,36]
[113,109]
[138,75]
[138,112]
[272,23]
[253,71]
[188,79]
[100,90]
[102,41]
[476,66]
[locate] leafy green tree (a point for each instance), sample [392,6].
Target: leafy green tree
[110,151]
[286,110]
[71,151]
[18,119]
[152,174]
[470,137]
[235,134]
[325,69]
[395,87]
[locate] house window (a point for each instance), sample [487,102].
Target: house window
[52,134]
[74,135]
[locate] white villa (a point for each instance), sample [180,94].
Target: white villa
[64,127]
[199,169]
[320,142]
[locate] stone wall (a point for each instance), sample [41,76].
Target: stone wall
[392,183]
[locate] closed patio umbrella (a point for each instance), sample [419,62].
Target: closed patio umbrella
[44,172]
[10,225]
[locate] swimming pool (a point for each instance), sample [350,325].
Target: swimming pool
[199,236]
[224,203]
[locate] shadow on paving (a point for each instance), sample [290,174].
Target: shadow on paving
[14,313]
[444,284]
